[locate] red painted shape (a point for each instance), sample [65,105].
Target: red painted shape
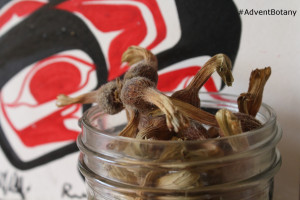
[46,79]
[158,20]
[49,129]
[21,9]
[125,18]
[46,130]
[170,80]
[56,78]
[210,85]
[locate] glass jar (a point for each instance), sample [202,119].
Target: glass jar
[120,168]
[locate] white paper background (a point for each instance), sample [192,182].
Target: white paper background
[275,41]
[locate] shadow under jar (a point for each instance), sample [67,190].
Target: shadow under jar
[119,168]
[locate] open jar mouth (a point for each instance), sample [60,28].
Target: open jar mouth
[266,115]
[210,100]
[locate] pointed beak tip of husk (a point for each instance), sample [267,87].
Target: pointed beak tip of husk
[228,80]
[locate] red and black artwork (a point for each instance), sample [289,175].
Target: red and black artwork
[74,46]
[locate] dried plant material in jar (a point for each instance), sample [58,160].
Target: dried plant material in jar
[181,163]
[250,102]
[195,131]
[140,93]
[151,177]
[231,126]
[195,113]
[143,63]
[174,153]
[121,173]
[135,54]
[248,122]
[142,150]
[178,180]
[156,129]
[191,112]
[184,197]
[220,63]
[131,128]
[202,151]
[213,132]
[106,97]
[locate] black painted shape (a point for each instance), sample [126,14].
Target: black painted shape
[208,27]
[3,2]
[44,33]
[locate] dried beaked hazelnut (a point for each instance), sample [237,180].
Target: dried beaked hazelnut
[213,132]
[250,102]
[133,93]
[106,97]
[248,122]
[131,129]
[141,94]
[156,129]
[230,125]
[142,64]
[220,63]
[195,131]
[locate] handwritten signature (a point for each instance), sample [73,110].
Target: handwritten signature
[67,192]
[13,183]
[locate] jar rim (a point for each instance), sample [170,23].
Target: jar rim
[271,120]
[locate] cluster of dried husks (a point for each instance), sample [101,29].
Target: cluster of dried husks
[152,115]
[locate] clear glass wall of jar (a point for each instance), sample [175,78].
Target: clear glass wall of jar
[119,168]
